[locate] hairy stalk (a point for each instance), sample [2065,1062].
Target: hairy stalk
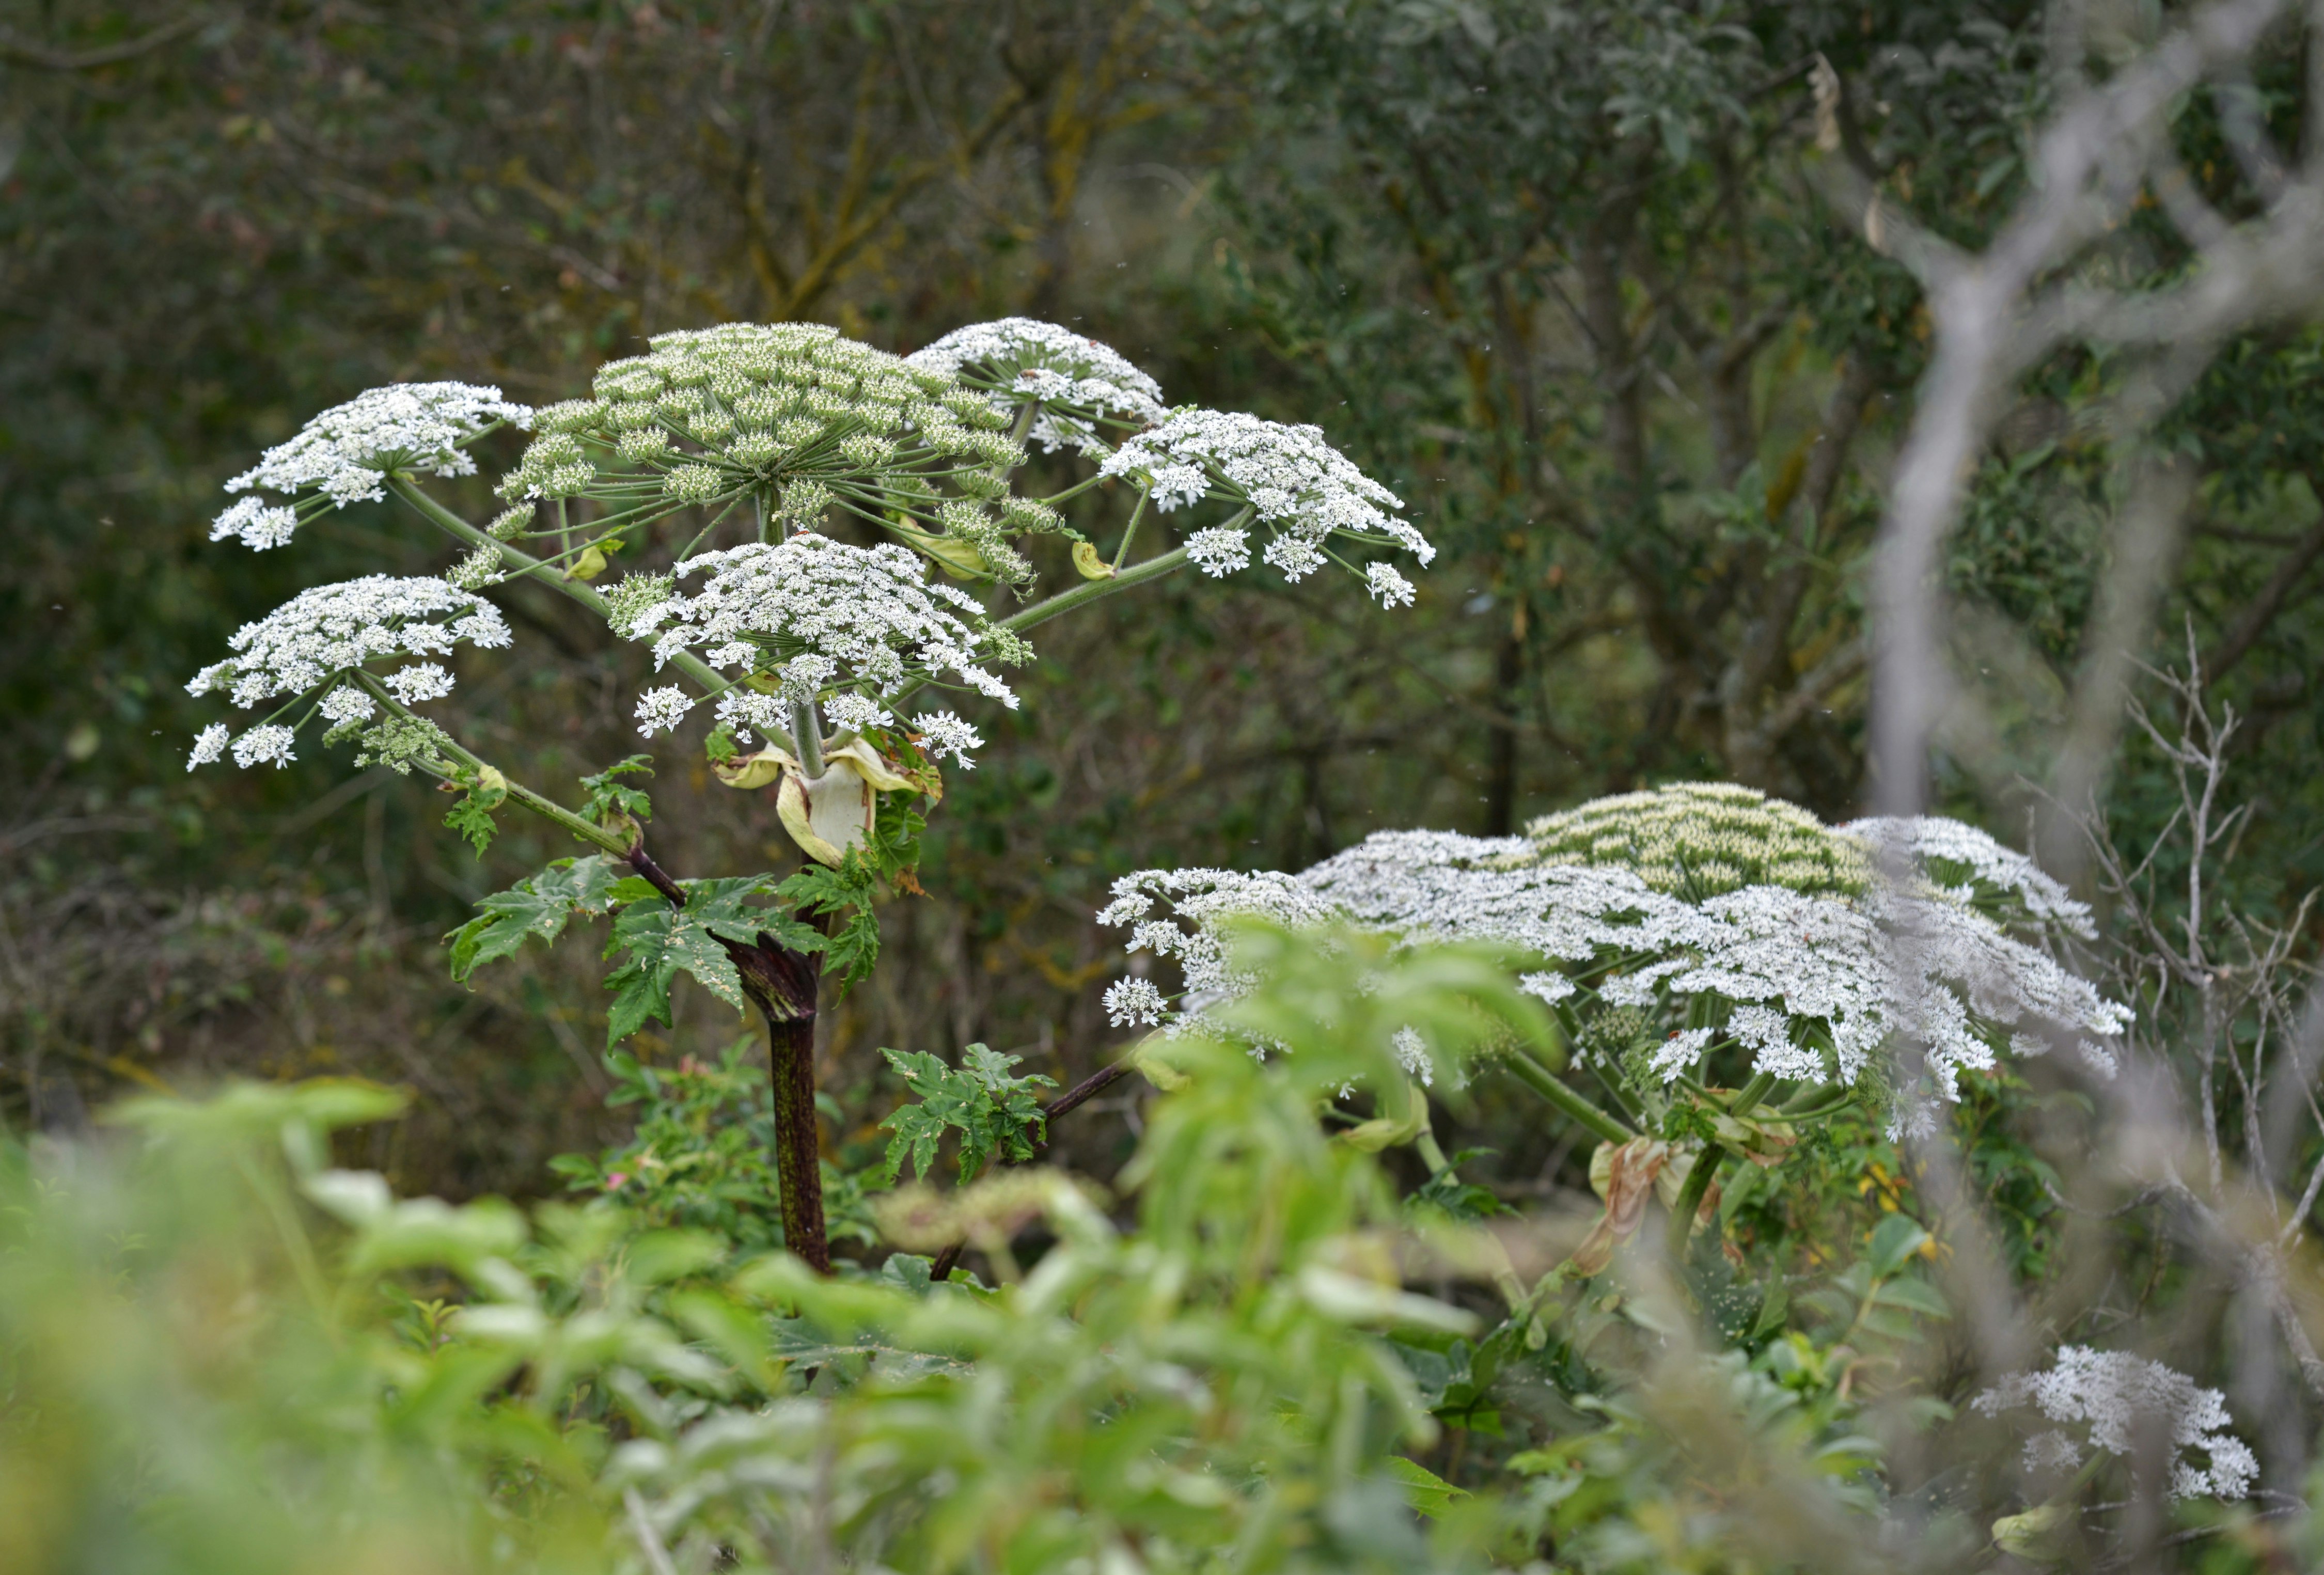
[806,739]
[1549,1086]
[523,565]
[783,985]
[1153,569]
[1713,1156]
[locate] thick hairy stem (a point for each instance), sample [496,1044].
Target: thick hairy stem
[782,984]
[806,739]
[1549,1086]
[799,1154]
[1698,1180]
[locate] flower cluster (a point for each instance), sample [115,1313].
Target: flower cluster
[796,413]
[1963,858]
[809,616]
[345,453]
[2113,1396]
[1699,839]
[1202,898]
[1071,380]
[1692,901]
[1294,481]
[328,630]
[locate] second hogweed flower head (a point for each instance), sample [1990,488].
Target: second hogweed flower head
[1699,920]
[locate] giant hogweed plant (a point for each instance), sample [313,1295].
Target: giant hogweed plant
[742,470]
[1730,972]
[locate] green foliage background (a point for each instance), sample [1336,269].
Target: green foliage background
[1551,272]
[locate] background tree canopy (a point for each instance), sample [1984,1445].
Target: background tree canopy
[1559,274]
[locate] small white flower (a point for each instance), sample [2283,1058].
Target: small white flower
[1219,550]
[260,524]
[348,704]
[1677,1052]
[1295,555]
[660,710]
[854,713]
[2114,1393]
[480,568]
[208,745]
[422,681]
[261,744]
[742,709]
[943,733]
[1412,1054]
[1174,486]
[804,675]
[1552,987]
[1393,589]
[1133,1003]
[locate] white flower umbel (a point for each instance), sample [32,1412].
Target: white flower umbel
[1393,589]
[330,630]
[1298,485]
[780,425]
[2113,1396]
[264,744]
[855,714]
[660,710]
[346,453]
[208,745]
[1219,550]
[1133,1003]
[943,733]
[1670,903]
[421,681]
[1071,380]
[846,616]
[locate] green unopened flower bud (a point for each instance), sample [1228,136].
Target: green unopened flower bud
[694,484]
[642,445]
[755,449]
[572,416]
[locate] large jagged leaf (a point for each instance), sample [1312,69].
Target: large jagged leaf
[659,942]
[991,1109]
[540,904]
